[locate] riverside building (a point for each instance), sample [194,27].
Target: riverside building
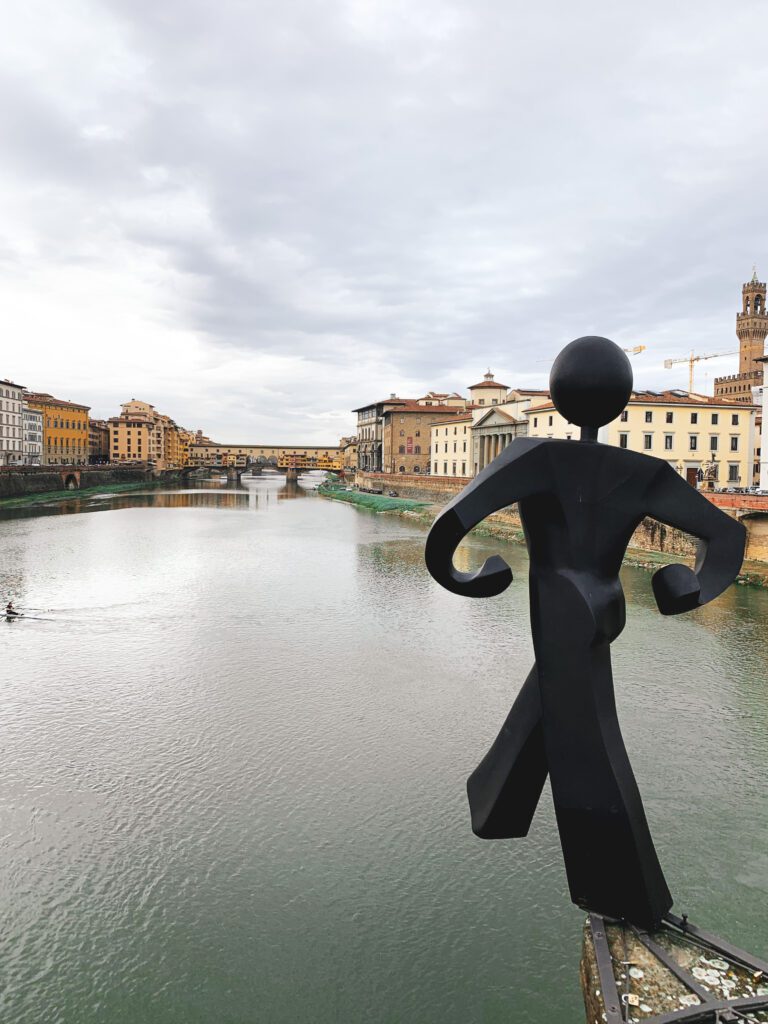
[141,434]
[381,434]
[405,433]
[451,446]
[32,426]
[98,442]
[704,439]
[11,425]
[65,429]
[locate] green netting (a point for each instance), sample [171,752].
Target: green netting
[376,502]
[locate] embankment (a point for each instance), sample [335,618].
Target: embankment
[20,481]
[652,544]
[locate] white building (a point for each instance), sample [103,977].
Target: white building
[32,440]
[451,446]
[11,440]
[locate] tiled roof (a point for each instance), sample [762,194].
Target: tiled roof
[453,419]
[411,405]
[665,398]
[42,398]
[383,401]
[489,384]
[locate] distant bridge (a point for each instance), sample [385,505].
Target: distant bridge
[280,457]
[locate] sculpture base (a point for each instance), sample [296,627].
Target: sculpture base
[677,973]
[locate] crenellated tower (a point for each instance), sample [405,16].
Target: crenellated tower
[752,324]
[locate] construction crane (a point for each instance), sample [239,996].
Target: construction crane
[635,351]
[691,359]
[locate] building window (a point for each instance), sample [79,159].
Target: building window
[693,441]
[623,440]
[401,450]
[713,443]
[417,449]
[734,444]
[535,421]
[445,469]
[649,416]
[733,473]
[647,442]
[463,469]
[668,442]
[550,420]
[402,469]
[435,469]
[694,417]
[715,419]
[734,419]
[417,469]
[670,417]
[402,432]
[624,416]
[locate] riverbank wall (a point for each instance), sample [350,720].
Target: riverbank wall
[651,543]
[21,481]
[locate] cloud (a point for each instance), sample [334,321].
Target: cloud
[260,216]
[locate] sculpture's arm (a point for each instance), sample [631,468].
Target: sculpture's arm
[676,587]
[519,472]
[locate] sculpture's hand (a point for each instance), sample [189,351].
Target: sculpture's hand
[676,589]
[722,540]
[518,472]
[492,578]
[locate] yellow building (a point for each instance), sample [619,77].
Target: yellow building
[706,440]
[66,439]
[348,452]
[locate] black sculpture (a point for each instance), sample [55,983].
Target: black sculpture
[579,504]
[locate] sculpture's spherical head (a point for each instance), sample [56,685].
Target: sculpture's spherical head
[591,381]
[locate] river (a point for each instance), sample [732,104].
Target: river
[235,745]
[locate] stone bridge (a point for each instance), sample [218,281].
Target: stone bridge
[752,510]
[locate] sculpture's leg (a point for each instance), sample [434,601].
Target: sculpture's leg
[609,855]
[505,787]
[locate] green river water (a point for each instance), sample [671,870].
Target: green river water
[235,743]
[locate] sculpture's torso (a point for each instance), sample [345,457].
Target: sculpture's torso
[578,528]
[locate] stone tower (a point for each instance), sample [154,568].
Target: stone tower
[751,324]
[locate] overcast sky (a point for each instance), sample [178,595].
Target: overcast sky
[258,216]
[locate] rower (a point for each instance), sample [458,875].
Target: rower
[10,610]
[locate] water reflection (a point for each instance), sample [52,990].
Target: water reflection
[257,492]
[234,756]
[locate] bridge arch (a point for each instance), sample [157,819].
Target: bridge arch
[756,524]
[71,481]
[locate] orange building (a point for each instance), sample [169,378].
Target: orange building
[65,430]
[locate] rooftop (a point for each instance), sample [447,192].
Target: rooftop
[43,398]
[668,397]
[411,405]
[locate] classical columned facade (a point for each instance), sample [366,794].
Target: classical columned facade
[491,434]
